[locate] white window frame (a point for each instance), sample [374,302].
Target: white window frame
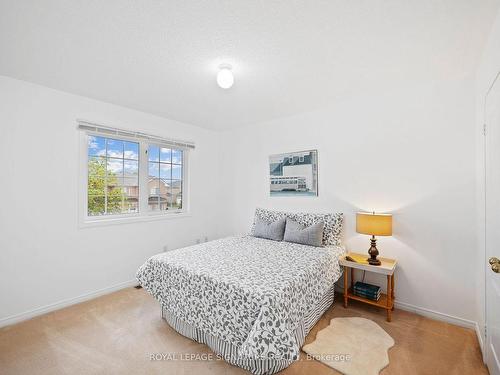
[144,213]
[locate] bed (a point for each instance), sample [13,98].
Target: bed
[251,300]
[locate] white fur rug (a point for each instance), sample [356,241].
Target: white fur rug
[353,346]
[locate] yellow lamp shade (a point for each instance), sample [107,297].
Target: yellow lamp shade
[374,224]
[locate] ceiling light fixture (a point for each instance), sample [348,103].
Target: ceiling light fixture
[225,77]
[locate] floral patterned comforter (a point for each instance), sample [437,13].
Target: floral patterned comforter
[248,291]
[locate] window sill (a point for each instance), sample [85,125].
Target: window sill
[90,223]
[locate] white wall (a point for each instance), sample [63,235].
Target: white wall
[408,150]
[488,69]
[44,257]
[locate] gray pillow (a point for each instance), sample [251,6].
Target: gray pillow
[332,232]
[271,231]
[312,235]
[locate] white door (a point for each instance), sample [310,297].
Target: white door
[492,279]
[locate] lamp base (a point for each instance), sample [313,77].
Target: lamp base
[374,262]
[373,251]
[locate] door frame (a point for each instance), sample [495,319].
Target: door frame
[484,346]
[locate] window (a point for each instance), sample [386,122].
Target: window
[164,178]
[126,177]
[112,176]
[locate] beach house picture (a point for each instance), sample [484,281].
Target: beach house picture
[294,174]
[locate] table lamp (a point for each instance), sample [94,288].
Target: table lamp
[374,225]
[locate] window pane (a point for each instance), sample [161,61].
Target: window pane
[176,203]
[154,170]
[115,191]
[96,185]
[131,168]
[153,203]
[163,191]
[153,153]
[131,205]
[113,176]
[114,206]
[163,202]
[96,146]
[165,171]
[165,155]
[164,186]
[154,186]
[175,196]
[153,193]
[114,197]
[114,148]
[131,150]
[176,172]
[115,167]
[131,191]
[96,205]
[97,166]
[177,156]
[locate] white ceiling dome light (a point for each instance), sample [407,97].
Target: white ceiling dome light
[225,78]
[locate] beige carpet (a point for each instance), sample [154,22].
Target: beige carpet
[115,334]
[353,346]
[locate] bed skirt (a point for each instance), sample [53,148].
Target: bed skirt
[229,352]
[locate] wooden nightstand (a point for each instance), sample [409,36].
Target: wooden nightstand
[387,268]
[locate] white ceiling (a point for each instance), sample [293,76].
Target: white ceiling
[288,56]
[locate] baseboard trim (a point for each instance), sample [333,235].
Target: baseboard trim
[480,339]
[445,318]
[436,315]
[17,318]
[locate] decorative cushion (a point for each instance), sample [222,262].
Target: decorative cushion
[312,235]
[333,223]
[271,231]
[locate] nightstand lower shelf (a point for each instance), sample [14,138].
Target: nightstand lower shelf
[386,301]
[382,302]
